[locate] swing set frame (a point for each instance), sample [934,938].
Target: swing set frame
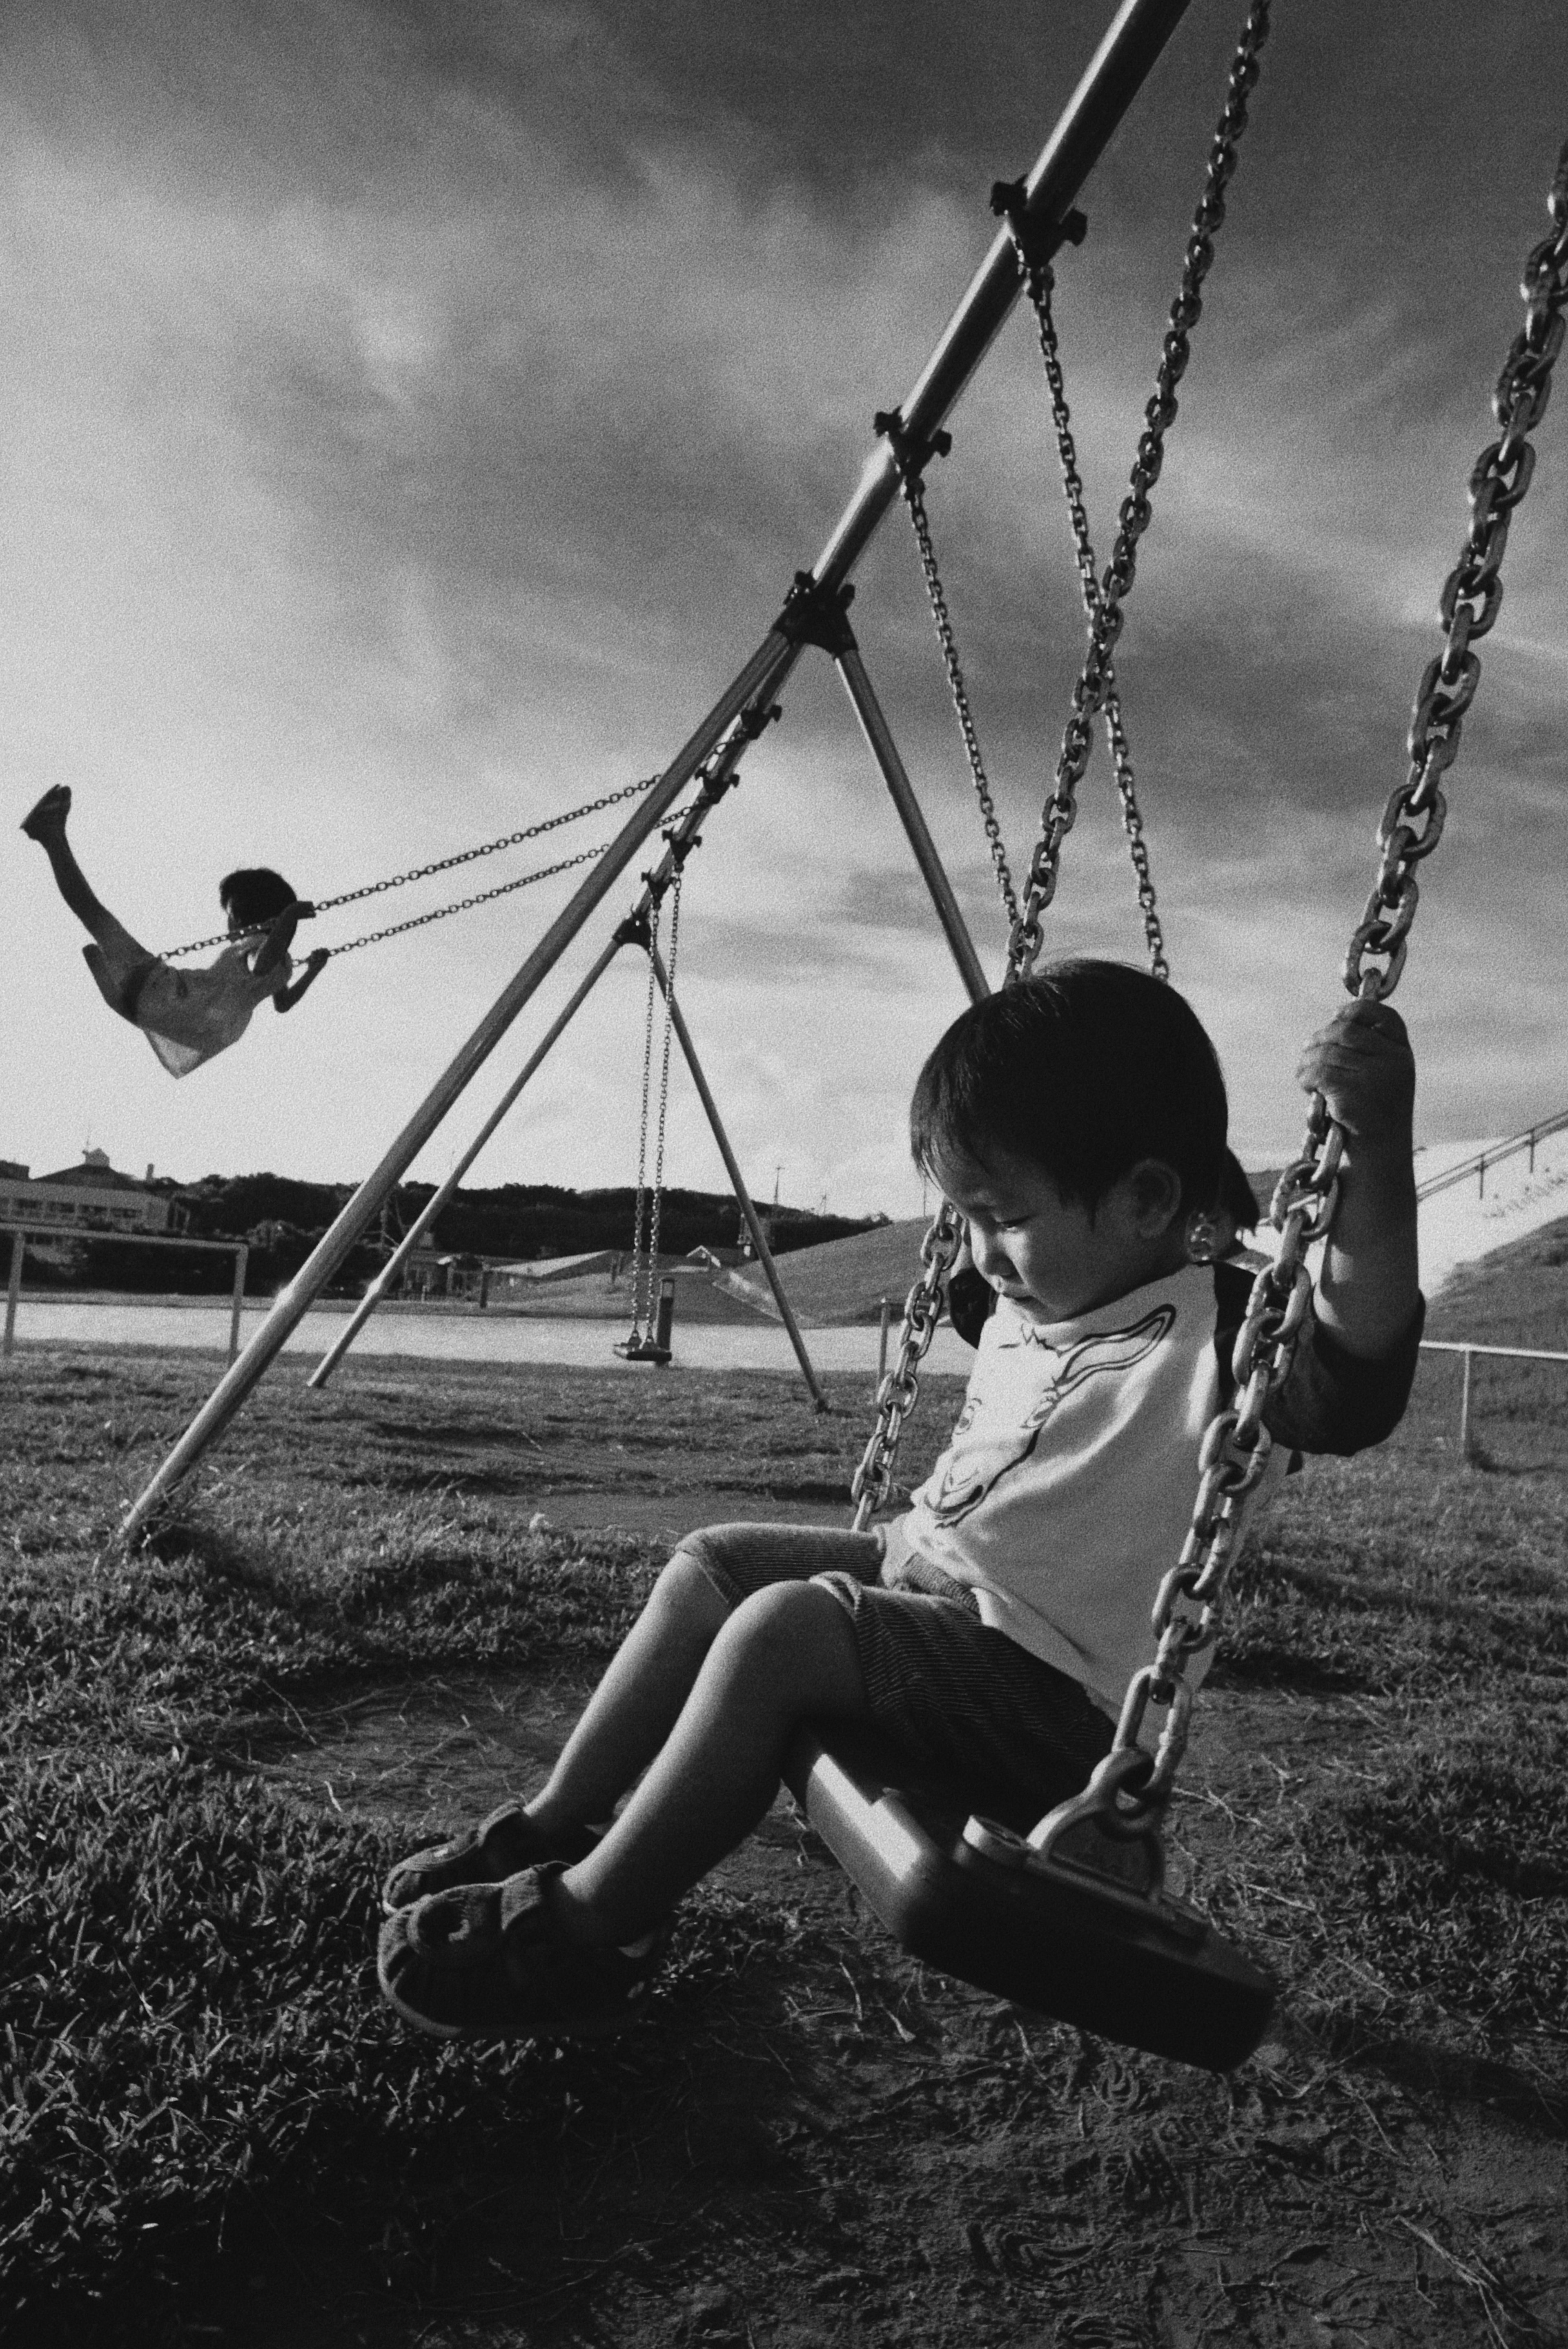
[1121,64]
[1072,1916]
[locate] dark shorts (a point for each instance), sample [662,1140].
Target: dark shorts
[1015,1735]
[121,966]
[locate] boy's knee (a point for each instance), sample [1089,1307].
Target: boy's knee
[789,1632]
[687,1587]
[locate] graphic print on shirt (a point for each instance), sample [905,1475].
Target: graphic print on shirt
[965,1482]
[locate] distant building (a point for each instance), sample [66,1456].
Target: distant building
[90,1197]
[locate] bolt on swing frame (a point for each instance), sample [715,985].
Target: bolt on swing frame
[1126,55]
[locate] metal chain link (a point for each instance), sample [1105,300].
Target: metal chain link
[1060,810]
[1412,822]
[914,497]
[664,1085]
[523,881]
[1187,1613]
[1040,281]
[423,872]
[900,1389]
[639,1213]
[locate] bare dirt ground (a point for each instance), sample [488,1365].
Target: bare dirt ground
[848,2148]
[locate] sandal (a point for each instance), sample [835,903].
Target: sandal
[48,813]
[501,1845]
[486,1961]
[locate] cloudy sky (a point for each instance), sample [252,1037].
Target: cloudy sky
[414,413]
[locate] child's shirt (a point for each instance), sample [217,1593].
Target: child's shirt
[190,1015]
[1066,1490]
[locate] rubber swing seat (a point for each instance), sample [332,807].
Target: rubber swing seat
[1141,1968]
[641,1350]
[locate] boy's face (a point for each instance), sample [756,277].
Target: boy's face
[1054,1254]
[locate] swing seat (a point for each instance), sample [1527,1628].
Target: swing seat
[642,1350]
[973,1899]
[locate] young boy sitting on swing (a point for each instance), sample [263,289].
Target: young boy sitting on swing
[1077,1123]
[186,1016]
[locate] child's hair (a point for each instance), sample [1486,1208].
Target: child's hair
[1081,1070]
[254,896]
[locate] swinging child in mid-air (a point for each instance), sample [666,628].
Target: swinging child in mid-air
[1077,1122]
[186,1016]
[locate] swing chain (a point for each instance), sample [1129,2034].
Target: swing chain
[1468,606]
[900,1389]
[664,1081]
[896,1397]
[442,865]
[1236,1446]
[913,489]
[1060,810]
[1040,279]
[523,881]
[640,1212]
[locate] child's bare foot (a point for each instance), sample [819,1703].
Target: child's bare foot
[47,820]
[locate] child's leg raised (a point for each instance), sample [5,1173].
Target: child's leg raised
[46,824]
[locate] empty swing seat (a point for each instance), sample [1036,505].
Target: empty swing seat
[1050,1933]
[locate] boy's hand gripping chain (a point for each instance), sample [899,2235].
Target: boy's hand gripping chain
[1132,1789]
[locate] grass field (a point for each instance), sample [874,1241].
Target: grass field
[213,2129]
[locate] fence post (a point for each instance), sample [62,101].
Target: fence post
[1466,1359]
[14,1289]
[237,1305]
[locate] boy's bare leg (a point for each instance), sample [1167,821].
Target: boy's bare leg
[638,1702]
[788,1652]
[46,824]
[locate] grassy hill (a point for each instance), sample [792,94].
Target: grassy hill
[1516,1297]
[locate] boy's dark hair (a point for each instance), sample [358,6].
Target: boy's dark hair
[1081,1070]
[254,896]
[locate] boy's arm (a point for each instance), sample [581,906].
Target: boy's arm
[287,996]
[1368,1289]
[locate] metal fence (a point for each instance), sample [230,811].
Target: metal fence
[1468,1354]
[22,1233]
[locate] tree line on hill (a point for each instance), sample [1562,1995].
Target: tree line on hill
[282,1220]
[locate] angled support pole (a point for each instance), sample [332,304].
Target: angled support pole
[738,1180]
[387,1278]
[884,750]
[1116,73]
[683,834]
[819,615]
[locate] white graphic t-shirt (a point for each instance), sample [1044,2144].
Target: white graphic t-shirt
[1067,1491]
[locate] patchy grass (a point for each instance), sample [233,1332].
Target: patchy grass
[197,2086]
